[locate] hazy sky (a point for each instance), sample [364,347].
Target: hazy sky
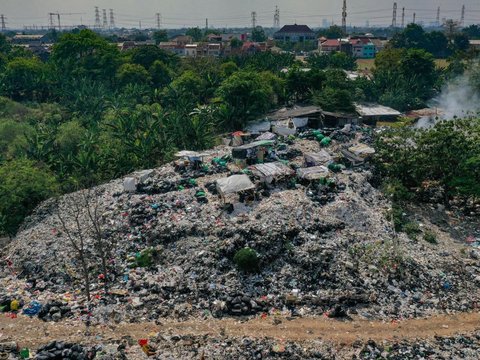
[232,13]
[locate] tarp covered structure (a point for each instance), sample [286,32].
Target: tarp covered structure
[234,184]
[362,150]
[313,173]
[317,158]
[270,171]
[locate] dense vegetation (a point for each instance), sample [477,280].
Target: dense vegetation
[90,113]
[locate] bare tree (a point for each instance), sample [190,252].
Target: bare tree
[102,246]
[75,234]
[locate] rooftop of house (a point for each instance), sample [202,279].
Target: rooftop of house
[331,42]
[300,29]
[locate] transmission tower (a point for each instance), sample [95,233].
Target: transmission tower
[403,18]
[159,21]
[394,18]
[52,25]
[462,19]
[112,19]
[344,16]
[276,18]
[97,18]
[414,17]
[104,17]
[2,20]
[438,16]
[254,19]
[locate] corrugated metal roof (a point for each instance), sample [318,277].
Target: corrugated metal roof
[271,170]
[376,110]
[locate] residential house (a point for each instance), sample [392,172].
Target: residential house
[191,50]
[173,47]
[329,46]
[295,33]
[362,48]
[183,39]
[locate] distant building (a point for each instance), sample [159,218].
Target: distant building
[173,47]
[475,44]
[295,33]
[183,39]
[329,46]
[191,50]
[362,48]
[22,39]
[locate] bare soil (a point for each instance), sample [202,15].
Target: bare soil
[34,332]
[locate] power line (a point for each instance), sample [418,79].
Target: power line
[97,18]
[394,18]
[104,16]
[254,19]
[112,19]
[2,20]
[276,18]
[344,16]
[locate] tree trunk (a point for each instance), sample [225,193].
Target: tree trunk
[86,276]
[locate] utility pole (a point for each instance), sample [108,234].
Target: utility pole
[2,20]
[52,25]
[254,19]
[438,16]
[403,18]
[97,18]
[276,18]
[112,19]
[462,19]
[414,17]
[344,16]
[105,22]
[159,21]
[394,18]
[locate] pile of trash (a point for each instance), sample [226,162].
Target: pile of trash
[168,236]
[168,346]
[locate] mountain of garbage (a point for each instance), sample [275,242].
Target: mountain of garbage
[284,223]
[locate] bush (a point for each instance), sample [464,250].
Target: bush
[411,229]
[430,237]
[247,260]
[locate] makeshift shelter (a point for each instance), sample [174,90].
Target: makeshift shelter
[233,185]
[372,113]
[316,159]
[357,154]
[266,136]
[253,151]
[336,120]
[362,150]
[189,158]
[271,171]
[313,173]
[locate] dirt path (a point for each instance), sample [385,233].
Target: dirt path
[33,332]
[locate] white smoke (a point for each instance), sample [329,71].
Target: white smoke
[459,98]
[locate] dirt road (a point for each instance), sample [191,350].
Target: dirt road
[34,332]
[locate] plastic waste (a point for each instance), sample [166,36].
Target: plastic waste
[25,353]
[32,309]
[14,305]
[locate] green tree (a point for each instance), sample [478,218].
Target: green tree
[258,34]
[22,187]
[161,74]
[333,32]
[160,36]
[86,54]
[246,95]
[132,74]
[4,45]
[25,79]
[148,54]
[195,33]
[236,43]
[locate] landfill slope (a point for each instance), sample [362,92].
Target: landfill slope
[341,253]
